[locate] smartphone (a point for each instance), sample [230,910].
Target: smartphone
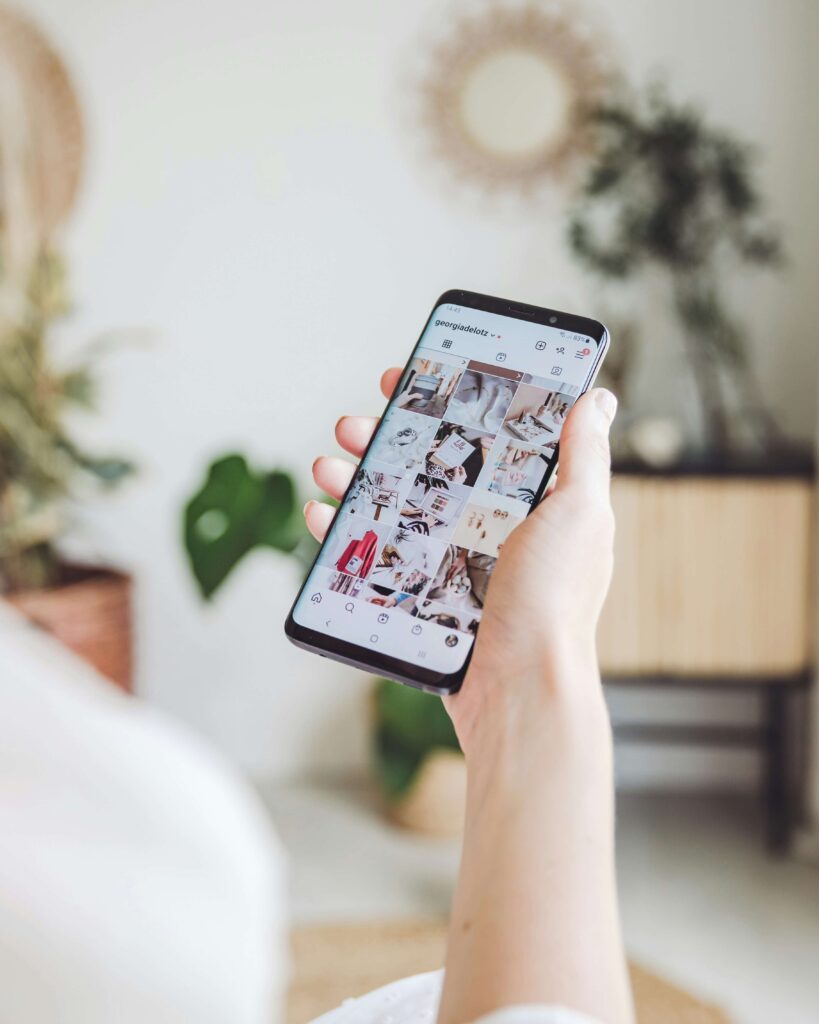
[462,454]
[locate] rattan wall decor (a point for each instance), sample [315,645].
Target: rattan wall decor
[41,138]
[507,91]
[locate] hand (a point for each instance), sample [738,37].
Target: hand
[404,400]
[536,639]
[537,635]
[333,475]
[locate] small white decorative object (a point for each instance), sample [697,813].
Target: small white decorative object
[508,89]
[657,440]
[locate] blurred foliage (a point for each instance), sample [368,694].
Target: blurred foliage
[617,371]
[667,190]
[236,510]
[410,724]
[40,465]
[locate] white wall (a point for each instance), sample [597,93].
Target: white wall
[253,198]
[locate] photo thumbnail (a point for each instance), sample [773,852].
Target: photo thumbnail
[462,579]
[457,454]
[465,620]
[375,492]
[484,528]
[353,545]
[537,415]
[341,583]
[432,506]
[427,387]
[481,400]
[383,597]
[517,471]
[407,562]
[403,439]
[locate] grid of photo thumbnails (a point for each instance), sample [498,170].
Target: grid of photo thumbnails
[459,456]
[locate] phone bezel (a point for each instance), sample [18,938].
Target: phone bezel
[395,668]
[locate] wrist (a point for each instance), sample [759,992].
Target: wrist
[545,762]
[551,711]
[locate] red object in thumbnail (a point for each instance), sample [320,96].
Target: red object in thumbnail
[357,558]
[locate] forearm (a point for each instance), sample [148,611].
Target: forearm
[535,918]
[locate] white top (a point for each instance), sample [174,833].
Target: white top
[415,1001]
[139,877]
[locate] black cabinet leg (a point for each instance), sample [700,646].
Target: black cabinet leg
[779,814]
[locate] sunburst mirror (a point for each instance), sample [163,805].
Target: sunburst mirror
[509,90]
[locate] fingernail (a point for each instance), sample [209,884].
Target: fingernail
[606,402]
[307,505]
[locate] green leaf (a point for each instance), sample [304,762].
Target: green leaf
[108,471]
[395,767]
[235,511]
[416,720]
[78,386]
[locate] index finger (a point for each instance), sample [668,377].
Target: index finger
[389,380]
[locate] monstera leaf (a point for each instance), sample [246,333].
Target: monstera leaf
[236,510]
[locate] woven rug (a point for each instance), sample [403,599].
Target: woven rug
[334,962]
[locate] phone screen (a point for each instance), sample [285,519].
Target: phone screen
[456,464]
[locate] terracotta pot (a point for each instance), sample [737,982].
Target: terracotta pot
[436,799]
[89,612]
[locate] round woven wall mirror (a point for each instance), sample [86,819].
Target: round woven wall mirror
[509,92]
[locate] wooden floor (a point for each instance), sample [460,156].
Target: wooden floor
[334,962]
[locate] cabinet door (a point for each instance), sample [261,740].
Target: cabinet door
[711,577]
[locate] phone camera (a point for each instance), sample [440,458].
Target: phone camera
[552,319]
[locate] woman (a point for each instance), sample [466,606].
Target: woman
[535,921]
[139,880]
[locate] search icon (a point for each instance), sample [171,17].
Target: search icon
[349,607]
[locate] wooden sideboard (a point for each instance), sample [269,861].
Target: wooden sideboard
[713,577]
[713,587]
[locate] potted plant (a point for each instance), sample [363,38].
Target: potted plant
[41,467]
[668,192]
[418,762]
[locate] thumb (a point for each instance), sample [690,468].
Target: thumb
[585,459]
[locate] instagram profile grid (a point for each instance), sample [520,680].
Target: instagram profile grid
[460,454]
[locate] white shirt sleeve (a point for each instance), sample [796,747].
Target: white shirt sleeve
[415,1001]
[139,879]
[536,1014]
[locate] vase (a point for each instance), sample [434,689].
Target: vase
[89,612]
[436,799]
